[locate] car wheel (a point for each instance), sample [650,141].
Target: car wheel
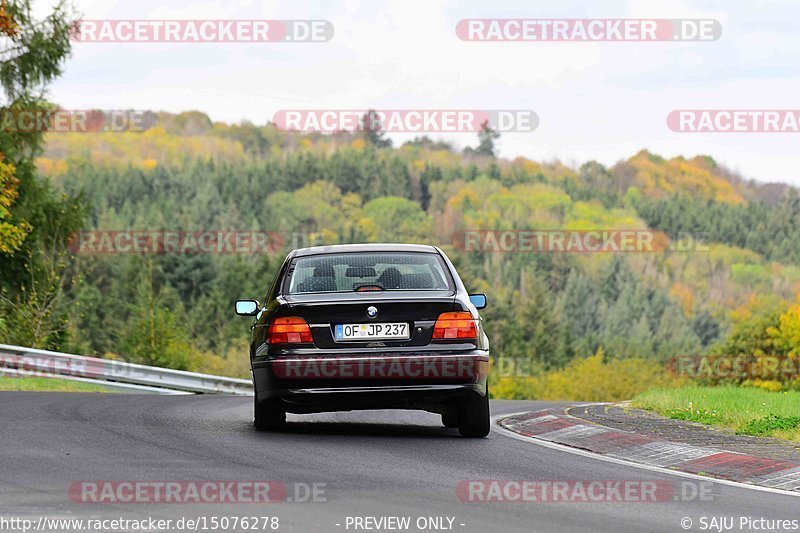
[267,417]
[450,420]
[473,417]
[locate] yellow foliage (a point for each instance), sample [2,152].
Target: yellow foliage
[235,363]
[659,177]
[787,334]
[542,196]
[45,166]
[8,26]
[527,166]
[442,158]
[11,235]
[768,385]
[746,311]
[588,379]
[684,295]
[593,215]
[730,255]
[139,149]
[466,196]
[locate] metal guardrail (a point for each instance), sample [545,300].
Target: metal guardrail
[22,361]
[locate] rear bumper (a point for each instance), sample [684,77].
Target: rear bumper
[336,382]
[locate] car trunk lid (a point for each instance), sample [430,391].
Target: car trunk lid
[324,311]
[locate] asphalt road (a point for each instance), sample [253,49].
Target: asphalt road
[392,463]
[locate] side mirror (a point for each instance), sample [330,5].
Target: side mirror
[247,307]
[478,300]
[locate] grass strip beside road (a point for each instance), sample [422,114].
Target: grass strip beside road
[746,410]
[47,384]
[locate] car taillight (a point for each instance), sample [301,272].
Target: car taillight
[289,329]
[458,325]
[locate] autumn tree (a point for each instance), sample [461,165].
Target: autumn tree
[32,54]
[11,235]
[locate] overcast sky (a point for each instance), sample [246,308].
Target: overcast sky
[602,101]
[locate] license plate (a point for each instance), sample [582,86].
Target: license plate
[354,332]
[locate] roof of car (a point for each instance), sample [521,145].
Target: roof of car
[382,247]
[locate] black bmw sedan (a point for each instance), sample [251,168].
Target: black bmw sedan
[369,326]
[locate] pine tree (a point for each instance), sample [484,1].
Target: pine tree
[486,139]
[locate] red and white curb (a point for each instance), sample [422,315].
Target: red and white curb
[555,426]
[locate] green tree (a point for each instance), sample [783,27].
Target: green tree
[751,337]
[393,219]
[705,327]
[582,312]
[32,56]
[374,132]
[542,331]
[154,334]
[486,139]
[616,277]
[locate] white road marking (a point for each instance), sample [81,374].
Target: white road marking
[667,453]
[789,479]
[563,448]
[577,431]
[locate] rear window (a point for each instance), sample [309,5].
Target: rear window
[363,271]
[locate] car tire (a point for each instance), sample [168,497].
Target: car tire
[473,417]
[267,417]
[450,420]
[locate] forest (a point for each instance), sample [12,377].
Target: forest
[555,320]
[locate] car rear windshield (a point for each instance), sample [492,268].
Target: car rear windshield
[368,271]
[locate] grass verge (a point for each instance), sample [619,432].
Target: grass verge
[47,384]
[746,410]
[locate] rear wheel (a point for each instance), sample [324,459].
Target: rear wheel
[450,420]
[268,417]
[473,417]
